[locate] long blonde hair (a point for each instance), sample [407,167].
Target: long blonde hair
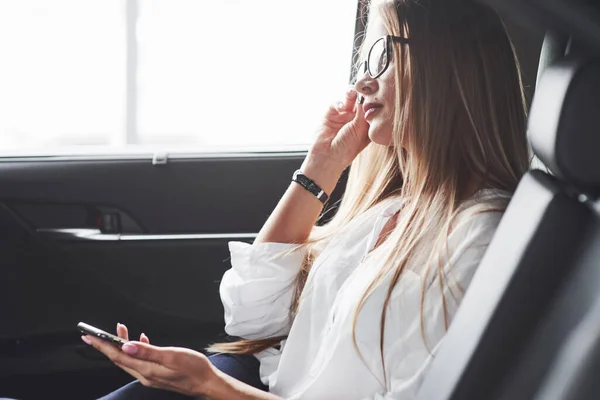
[459,119]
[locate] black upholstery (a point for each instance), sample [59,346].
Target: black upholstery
[564,121]
[575,375]
[568,328]
[529,258]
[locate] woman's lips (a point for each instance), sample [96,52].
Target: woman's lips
[371,110]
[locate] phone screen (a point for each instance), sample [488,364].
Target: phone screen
[87,329]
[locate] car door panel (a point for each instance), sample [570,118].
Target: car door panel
[159,274]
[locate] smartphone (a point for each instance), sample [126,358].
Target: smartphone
[99,333]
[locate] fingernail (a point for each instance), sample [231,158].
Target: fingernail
[86,340]
[351,91]
[129,348]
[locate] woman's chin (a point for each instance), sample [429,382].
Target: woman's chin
[379,136]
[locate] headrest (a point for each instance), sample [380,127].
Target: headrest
[554,48]
[564,123]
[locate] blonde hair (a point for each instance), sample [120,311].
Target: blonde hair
[459,119]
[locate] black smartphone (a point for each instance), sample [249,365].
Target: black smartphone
[99,333]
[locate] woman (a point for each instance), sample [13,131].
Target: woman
[357,308]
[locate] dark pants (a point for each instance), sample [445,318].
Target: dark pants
[241,367]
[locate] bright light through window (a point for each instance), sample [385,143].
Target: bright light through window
[202,74]
[61,75]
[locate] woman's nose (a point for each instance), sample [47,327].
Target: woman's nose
[365,85]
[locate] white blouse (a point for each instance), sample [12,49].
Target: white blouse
[318,360]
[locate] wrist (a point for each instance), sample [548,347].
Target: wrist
[325,175]
[212,387]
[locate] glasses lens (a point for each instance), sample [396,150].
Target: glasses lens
[358,71]
[377,58]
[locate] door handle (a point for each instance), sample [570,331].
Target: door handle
[86,235]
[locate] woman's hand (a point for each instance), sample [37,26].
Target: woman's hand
[343,135]
[175,369]
[171,368]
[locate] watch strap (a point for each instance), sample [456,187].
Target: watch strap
[310,185]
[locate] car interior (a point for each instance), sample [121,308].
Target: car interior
[527,329]
[142,239]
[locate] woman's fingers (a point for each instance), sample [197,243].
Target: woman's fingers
[347,105]
[144,338]
[359,118]
[122,331]
[340,113]
[354,136]
[362,127]
[335,114]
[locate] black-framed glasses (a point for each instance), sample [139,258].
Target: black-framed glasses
[378,58]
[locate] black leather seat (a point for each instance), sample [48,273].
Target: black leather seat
[574,375]
[541,273]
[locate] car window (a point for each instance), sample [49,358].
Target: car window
[83,75]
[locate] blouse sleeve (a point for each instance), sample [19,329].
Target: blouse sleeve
[468,246]
[257,290]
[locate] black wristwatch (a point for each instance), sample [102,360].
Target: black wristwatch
[310,185]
